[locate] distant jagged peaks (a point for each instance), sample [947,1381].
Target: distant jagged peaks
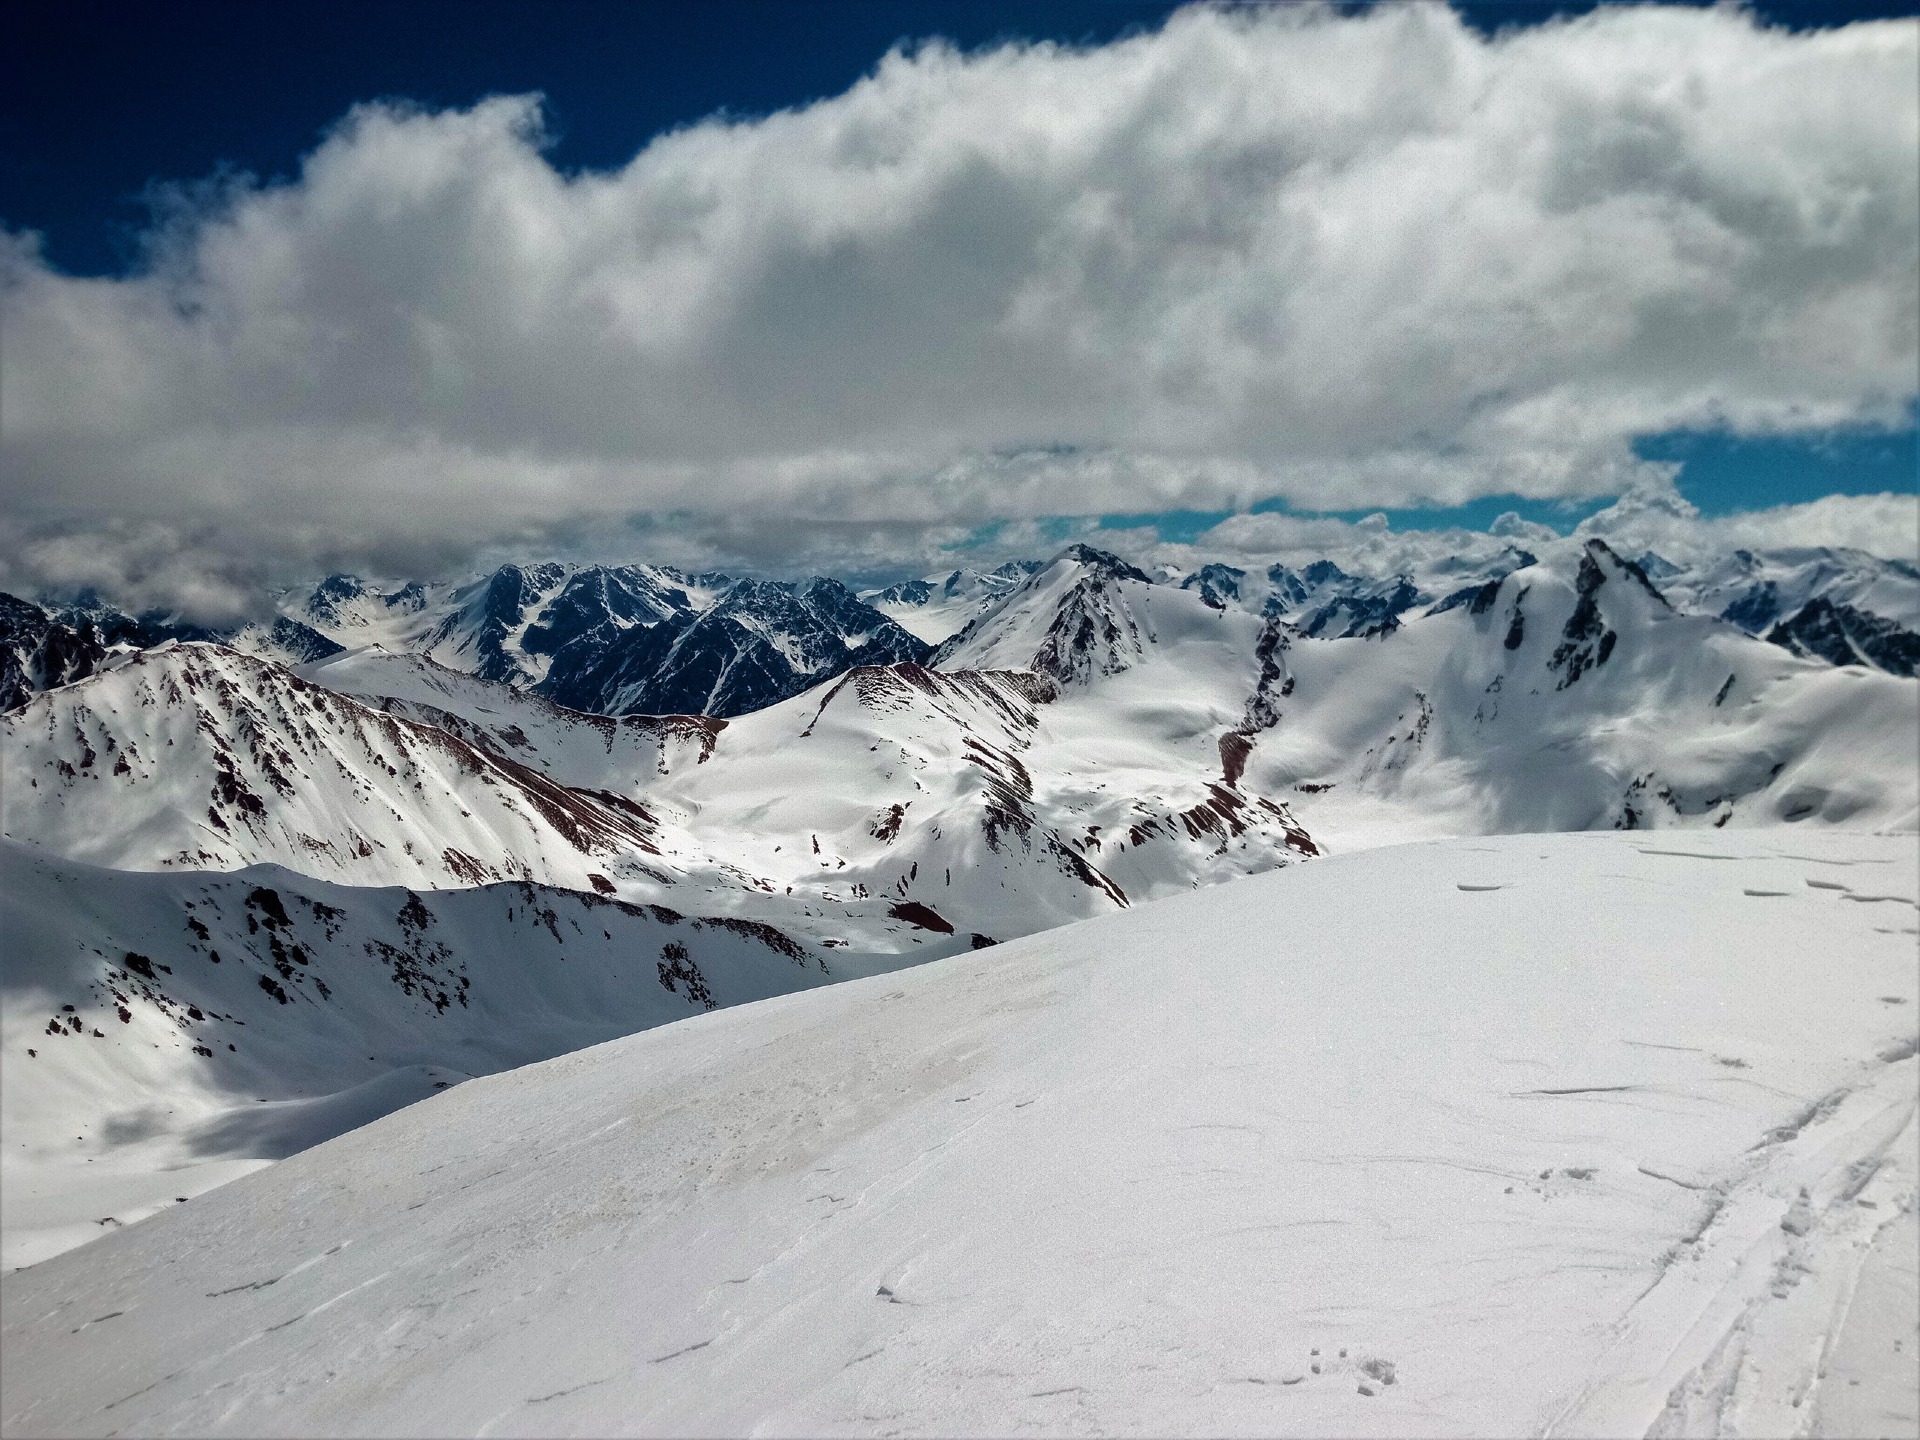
[38,652]
[494,615]
[654,639]
[1842,635]
[1758,589]
[1097,737]
[298,644]
[44,647]
[937,607]
[330,594]
[1217,585]
[622,597]
[761,642]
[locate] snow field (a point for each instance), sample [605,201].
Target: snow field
[1526,1134]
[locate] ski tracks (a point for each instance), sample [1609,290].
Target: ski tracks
[1734,1336]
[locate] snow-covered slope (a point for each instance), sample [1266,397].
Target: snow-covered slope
[986,801]
[581,750]
[1145,743]
[1084,615]
[1571,695]
[1326,602]
[880,812]
[1449,1139]
[476,627]
[160,1030]
[198,757]
[939,606]
[638,637]
[616,640]
[39,652]
[1756,589]
[1842,635]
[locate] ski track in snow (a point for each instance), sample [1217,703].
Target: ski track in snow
[1340,1149]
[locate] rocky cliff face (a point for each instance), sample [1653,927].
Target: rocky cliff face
[760,643]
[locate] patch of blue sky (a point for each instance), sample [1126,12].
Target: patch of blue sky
[1724,474]
[1720,473]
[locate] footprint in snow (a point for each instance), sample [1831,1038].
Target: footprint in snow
[1377,1369]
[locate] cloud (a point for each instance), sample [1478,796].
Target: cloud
[1346,261]
[1648,519]
[1886,525]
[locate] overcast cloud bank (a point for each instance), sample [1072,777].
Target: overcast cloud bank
[1344,262]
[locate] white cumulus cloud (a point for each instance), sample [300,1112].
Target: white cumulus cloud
[1347,261]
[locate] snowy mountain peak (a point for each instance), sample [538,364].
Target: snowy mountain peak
[621,597]
[760,642]
[1073,620]
[330,594]
[937,607]
[1218,585]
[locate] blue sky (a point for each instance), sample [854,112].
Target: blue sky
[835,385]
[1721,474]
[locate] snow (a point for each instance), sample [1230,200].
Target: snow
[1466,723]
[1016,810]
[1570,1133]
[940,606]
[1767,585]
[165,1032]
[1564,1134]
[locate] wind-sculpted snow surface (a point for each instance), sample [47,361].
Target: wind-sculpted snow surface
[1448,1139]
[160,1031]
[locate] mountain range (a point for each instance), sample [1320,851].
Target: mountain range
[264,886]
[649,639]
[859,781]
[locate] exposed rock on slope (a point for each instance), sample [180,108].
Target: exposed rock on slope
[152,1015]
[197,757]
[1571,695]
[1073,620]
[1842,635]
[37,652]
[762,642]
